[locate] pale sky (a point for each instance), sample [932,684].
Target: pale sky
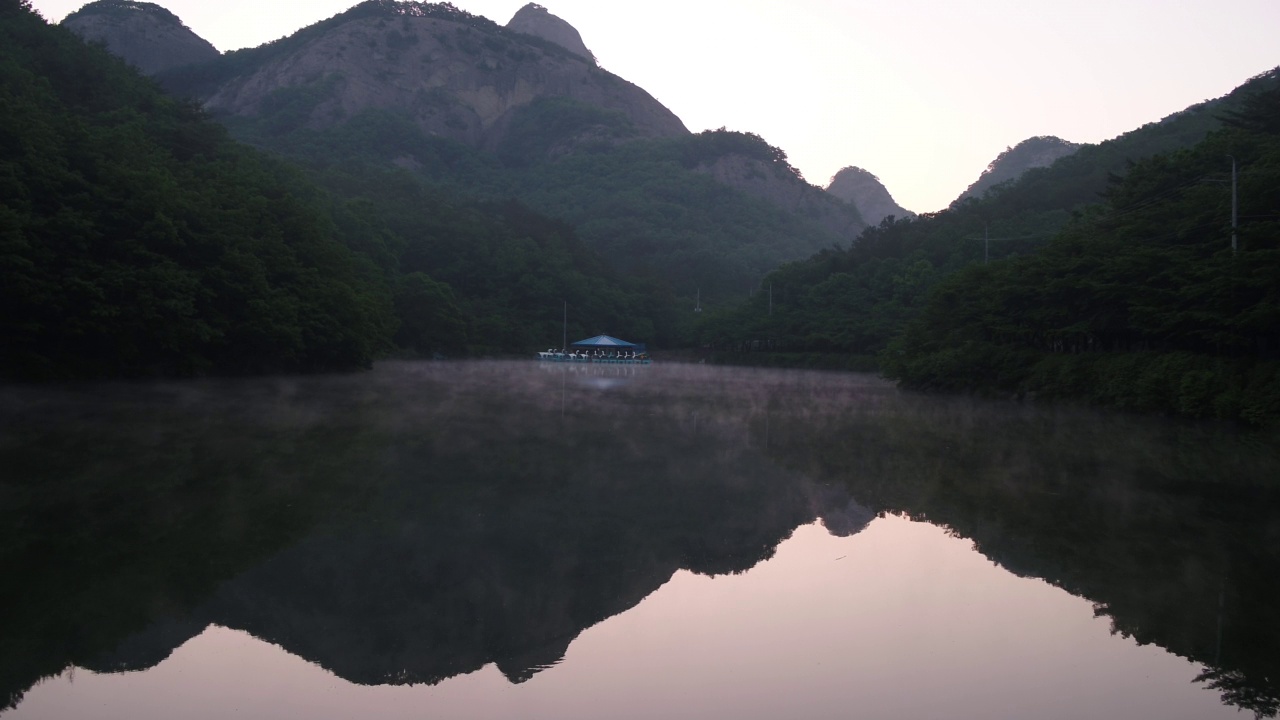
[922,93]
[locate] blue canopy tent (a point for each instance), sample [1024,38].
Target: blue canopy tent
[600,342]
[601,349]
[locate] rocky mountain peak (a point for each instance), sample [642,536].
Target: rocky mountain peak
[144,34]
[534,19]
[866,193]
[1041,151]
[451,74]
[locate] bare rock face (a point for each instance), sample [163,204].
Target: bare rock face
[1035,152]
[534,19]
[865,192]
[144,34]
[456,75]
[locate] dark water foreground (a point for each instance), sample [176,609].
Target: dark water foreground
[499,540]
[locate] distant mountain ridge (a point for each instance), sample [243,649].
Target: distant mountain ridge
[866,193]
[456,75]
[1036,152]
[146,35]
[856,301]
[461,101]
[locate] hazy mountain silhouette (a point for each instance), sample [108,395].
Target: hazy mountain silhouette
[1010,165]
[413,524]
[146,35]
[490,537]
[453,74]
[534,19]
[522,111]
[866,193]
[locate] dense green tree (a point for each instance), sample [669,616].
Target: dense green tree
[843,303]
[1141,304]
[137,239]
[647,206]
[431,321]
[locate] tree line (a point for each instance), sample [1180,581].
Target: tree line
[1152,301]
[1099,278]
[137,238]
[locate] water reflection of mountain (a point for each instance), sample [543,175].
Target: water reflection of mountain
[427,524]
[1172,531]
[424,521]
[507,555]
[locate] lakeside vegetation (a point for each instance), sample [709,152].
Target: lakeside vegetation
[1136,301]
[646,206]
[1141,304]
[139,239]
[329,510]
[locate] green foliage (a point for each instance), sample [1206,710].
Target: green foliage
[124,8]
[856,300]
[510,270]
[290,108]
[430,319]
[550,126]
[711,145]
[1159,524]
[136,239]
[1014,161]
[1142,305]
[644,205]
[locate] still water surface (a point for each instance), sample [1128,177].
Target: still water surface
[502,540]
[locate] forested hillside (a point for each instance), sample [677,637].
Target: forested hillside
[137,239]
[651,208]
[1151,302]
[845,303]
[1036,152]
[432,90]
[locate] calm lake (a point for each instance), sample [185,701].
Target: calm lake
[508,540]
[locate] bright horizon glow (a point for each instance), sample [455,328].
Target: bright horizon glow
[899,621]
[922,93]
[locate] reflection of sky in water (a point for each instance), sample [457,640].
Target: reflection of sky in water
[450,515]
[897,621]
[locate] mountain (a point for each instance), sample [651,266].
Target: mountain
[534,19]
[866,193]
[402,549]
[714,211]
[456,76]
[1162,299]
[1035,152]
[485,112]
[488,112]
[146,35]
[842,304]
[137,239]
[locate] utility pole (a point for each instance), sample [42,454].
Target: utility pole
[564,341]
[986,245]
[770,299]
[1235,215]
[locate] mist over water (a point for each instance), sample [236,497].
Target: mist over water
[495,533]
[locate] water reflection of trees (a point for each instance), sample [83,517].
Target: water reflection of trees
[1171,530]
[404,527]
[421,522]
